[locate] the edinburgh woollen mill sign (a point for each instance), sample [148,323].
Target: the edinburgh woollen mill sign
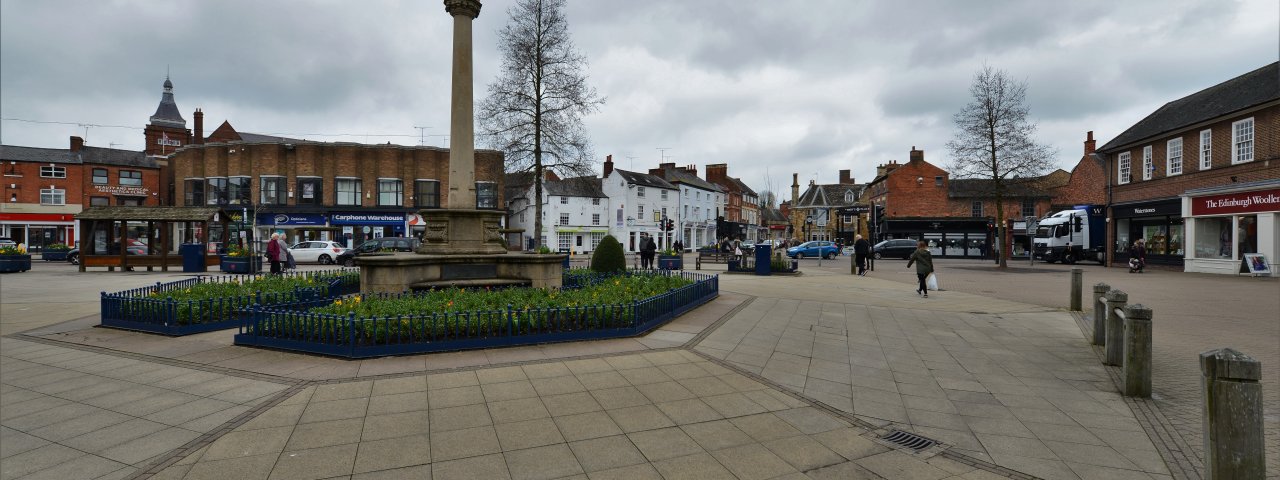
[1241,202]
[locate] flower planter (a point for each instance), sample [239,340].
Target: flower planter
[670,262]
[241,264]
[54,255]
[15,263]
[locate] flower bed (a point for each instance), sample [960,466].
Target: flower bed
[359,326]
[208,303]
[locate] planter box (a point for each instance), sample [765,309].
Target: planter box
[54,255]
[241,264]
[672,262]
[15,263]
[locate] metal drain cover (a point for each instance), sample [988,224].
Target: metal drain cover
[909,440]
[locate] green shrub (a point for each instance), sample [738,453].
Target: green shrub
[608,256]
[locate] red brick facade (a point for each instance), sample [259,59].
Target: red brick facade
[913,189]
[1087,185]
[719,174]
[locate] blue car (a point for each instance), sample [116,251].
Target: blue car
[815,248]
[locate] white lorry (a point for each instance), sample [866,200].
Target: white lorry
[1072,236]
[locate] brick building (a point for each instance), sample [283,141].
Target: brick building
[827,205]
[1087,182]
[741,208]
[1199,178]
[1022,199]
[914,202]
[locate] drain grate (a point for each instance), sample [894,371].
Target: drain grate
[909,440]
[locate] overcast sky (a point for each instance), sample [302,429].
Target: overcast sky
[771,87]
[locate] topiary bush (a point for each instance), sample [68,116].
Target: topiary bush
[608,256]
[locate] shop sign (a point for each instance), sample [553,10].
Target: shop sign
[1154,209]
[290,219]
[370,218]
[127,191]
[1239,202]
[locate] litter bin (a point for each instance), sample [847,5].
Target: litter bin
[763,254]
[192,257]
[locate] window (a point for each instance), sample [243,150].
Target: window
[1123,170]
[53,196]
[686,194]
[1206,149]
[238,191]
[130,201]
[130,177]
[1028,207]
[640,212]
[193,191]
[347,191]
[99,201]
[595,219]
[640,191]
[273,192]
[937,181]
[426,193]
[1213,237]
[664,194]
[1147,167]
[100,176]
[50,171]
[486,195]
[1242,141]
[1173,157]
[595,201]
[564,240]
[216,191]
[977,209]
[564,200]
[390,192]
[309,191]
[564,219]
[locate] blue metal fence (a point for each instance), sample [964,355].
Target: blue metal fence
[136,309]
[294,328]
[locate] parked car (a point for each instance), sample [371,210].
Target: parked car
[747,247]
[900,248]
[323,252]
[384,244]
[816,248]
[7,242]
[135,247]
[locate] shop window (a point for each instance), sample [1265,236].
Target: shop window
[131,178]
[348,192]
[426,193]
[1213,237]
[486,195]
[216,191]
[99,201]
[976,209]
[1176,237]
[51,171]
[1206,149]
[563,240]
[273,192]
[1247,234]
[193,192]
[1123,174]
[1242,141]
[1028,207]
[1173,157]
[564,219]
[100,176]
[53,196]
[238,190]
[1148,168]
[390,192]
[129,201]
[309,191]
[595,219]
[1122,237]
[1157,239]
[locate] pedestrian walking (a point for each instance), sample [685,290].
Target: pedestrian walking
[861,248]
[923,261]
[273,253]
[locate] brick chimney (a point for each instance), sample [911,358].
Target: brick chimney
[916,155]
[76,143]
[608,165]
[795,186]
[717,172]
[1089,144]
[845,179]
[199,134]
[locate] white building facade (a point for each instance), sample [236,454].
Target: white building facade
[699,204]
[574,212]
[637,204]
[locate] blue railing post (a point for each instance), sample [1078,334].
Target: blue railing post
[351,327]
[510,321]
[171,318]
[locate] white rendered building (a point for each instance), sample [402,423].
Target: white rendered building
[574,212]
[637,204]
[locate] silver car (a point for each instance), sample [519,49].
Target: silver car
[316,251]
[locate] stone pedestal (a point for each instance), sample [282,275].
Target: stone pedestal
[399,272]
[462,232]
[1136,370]
[1100,314]
[1233,440]
[1115,328]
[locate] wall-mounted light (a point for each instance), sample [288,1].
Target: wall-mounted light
[920,180]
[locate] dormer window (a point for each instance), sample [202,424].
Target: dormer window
[848,196]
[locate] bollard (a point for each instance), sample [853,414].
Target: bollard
[1233,442]
[1115,328]
[1137,351]
[1100,314]
[1077,287]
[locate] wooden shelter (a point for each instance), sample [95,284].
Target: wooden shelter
[133,236]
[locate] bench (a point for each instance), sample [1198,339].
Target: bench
[713,257]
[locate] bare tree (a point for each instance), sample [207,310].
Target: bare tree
[993,140]
[535,107]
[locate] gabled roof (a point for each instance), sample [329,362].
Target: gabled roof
[1251,89]
[588,187]
[644,179]
[741,186]
[677,176]
[39,155]
[829,195]
[772,215]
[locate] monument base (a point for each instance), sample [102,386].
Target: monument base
[399,272]
[462,232]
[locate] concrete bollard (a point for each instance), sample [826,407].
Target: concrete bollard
[1115,328]
[1100,314]
[1233,441]
[1137,351]
[1077,287]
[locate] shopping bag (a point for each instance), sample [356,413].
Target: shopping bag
[931,281]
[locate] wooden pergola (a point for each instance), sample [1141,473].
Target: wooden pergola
[115,221]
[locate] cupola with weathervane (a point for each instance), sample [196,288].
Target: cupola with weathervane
[167,130]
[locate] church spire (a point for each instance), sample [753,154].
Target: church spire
[167,113]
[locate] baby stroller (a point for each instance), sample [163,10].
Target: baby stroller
[1135,265]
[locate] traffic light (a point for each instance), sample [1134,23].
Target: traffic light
[671,225]
[1079,224]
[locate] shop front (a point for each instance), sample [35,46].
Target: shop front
[296,226]
[580,239]
[360,226]
[947,237]
[37,230]
[1157,222]
[1228,224]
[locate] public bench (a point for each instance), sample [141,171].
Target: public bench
[709,256]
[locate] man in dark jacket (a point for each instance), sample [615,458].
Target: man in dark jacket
[861,248]
[647,249]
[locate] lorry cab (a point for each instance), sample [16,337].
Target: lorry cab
[1071,236]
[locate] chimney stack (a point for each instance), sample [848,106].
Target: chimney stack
[1089,144]
[845,178]
[717,172]
[916,155]
[76,143]
[199,119]
[608,165]
[795,186]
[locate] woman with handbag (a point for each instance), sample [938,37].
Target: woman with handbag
[923,261]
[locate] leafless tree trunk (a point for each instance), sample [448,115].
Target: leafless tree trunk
[993,141]
[535,107]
